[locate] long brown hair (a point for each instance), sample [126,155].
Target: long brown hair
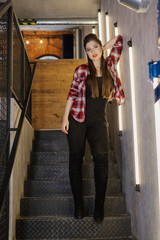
[106,76]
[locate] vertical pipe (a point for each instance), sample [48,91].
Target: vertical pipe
[80,44]
[77,43]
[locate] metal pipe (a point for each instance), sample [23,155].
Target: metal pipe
[77,43]
[68,21]
[136,5]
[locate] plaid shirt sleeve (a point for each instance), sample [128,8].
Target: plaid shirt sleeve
[116,50]
[77,93]
[73,92]
[112,61]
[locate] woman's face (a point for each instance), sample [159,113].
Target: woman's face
[94,50]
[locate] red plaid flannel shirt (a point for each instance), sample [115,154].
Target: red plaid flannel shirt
[77,92]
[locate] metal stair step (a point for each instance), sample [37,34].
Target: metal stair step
[48,134]
[59,170]
[128,238]
[47,208]
[45,145]
[49,158]
[55,168]
[68,227]
[62,187]
[64,206]
[58,134]
[47,172]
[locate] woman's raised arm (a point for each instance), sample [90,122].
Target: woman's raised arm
[109,44]
[117,46]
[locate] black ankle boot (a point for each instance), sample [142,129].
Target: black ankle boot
[99,209]
[75,174]
[79,209]
[99,216]
[100,177]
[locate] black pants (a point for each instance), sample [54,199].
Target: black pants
[96,134]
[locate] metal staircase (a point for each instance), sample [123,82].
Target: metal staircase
[47,206]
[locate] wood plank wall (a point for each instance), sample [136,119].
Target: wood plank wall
[50,89]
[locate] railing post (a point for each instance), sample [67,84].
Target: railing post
[23,75]
[10,64]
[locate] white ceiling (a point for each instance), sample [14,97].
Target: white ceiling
[56,8]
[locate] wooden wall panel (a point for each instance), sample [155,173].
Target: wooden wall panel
[52,81]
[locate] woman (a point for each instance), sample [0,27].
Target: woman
[84,117]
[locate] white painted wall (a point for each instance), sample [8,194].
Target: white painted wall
[19,172]
[143,29]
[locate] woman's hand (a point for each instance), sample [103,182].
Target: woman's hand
[65,122]
[65,125]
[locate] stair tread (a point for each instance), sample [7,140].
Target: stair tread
[66,197]
[66,163]
[122,216]
[122,238]
[67,179]
[69,227]
[49,152]
[61,187]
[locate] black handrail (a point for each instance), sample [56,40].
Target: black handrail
[5,7]
[17,79]
[10,164]
[4,146]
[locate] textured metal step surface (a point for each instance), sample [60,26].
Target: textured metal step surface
[59,156]
[64,206]
[48,172]
[45,145]
[47,188]
[62,188]
[54,134]
[47,208]
[128,238]
[48,134]
[60,170]
[51,227]
[49,158]
[55,158]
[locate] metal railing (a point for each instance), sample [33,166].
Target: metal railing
[16,79]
